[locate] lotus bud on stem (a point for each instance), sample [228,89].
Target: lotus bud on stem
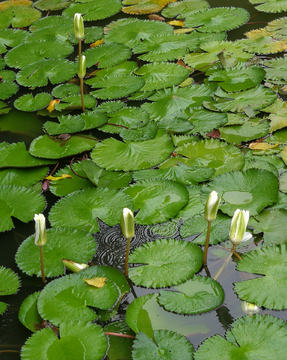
[237,233]
[210,214]
[128,230]
[81,74]
[40,239]
[79,30]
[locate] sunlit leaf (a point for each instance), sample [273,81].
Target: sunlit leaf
[262,42]
[11,38]
[139,7]
[18,16]
[52,4]
[270,6]
[97,282]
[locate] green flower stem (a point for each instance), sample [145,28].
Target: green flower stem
[82,93]
[127,257]
[42,264]
[119,335]
[206,242]
[80,49]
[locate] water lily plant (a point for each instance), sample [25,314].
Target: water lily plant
[128,230]
[40,238]
[210,214]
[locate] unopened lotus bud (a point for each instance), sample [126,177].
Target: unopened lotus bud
[127,223]
[79,26]
[82,67]
[211,206]
[40,230]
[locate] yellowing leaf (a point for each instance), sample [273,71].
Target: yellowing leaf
[97,43]
[52,104]
[262,146]
[183,31]
[176,23]
[56,178]
[97,282]
[140,7]
[258,33]
[6,4]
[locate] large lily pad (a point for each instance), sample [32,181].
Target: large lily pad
[93,10]
[77,341]
[251,190]
[250,337]
[19,202]
[112,154]
[54,148]
[69,244]
[268,290]
[195,296]
[270,6]
[11,38]
[85,206]
[166,262]
[18,16]
[158,200]
[214,154]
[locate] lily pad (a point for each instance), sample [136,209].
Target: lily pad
[93,10]
[67,243]
[270,6]
[112,154]
[18,16]
[167,262]
[251,190]
[158,200]
[77,340]
[212,154]
[255,337]
[29,103]
[194,205]
[217,19]
[160,75]
[7,84]
[107,55]
[268,290]
[167,345]
[9,283]
[183,9]
[70,298]
[54,148]
[19,202]
[85,206]
[140,7]
[22,177]
[28,313]
[52,4]
[132,32]
[195,296]
[11,38]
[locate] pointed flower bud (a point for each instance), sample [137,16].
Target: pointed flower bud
[249,308]
[127,223]
[40,230]
[73,266]
[239,223]
[79,26]
[82,67]
[211,206]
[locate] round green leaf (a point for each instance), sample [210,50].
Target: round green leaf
[212,153]
[29,103]
[9,281]
[268,290]
[131,32]
[54,148]
[160,75]
[28,313]
[158,200]
[7,84]
[107,55]
[71,298]
[66,243]
[270,6]
[166,263]
[78,340]
[217,19]
[85,206]
[52,4]
[183,9]
[112,154]
[251,190]
[18,16]
[93,10]
[19,202]
[22,177]
[167,345]
[195,296]
[251,337]
[38,73]
[11,38]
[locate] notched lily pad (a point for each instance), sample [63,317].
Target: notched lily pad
[29,103]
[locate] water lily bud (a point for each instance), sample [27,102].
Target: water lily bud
[249,308]
[40,230]
[239,222]
[73,266]
[127,223]
[79,26]
[211,206]
[82,67]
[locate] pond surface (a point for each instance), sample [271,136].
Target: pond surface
[26,126]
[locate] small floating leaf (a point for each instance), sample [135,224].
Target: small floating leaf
[166,262]
[97,282]
[9,281]
[29,103]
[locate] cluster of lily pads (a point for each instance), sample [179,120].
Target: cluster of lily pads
[153,140]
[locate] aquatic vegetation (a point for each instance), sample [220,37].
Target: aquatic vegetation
[150,125]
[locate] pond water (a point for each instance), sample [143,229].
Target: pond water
[22,126]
